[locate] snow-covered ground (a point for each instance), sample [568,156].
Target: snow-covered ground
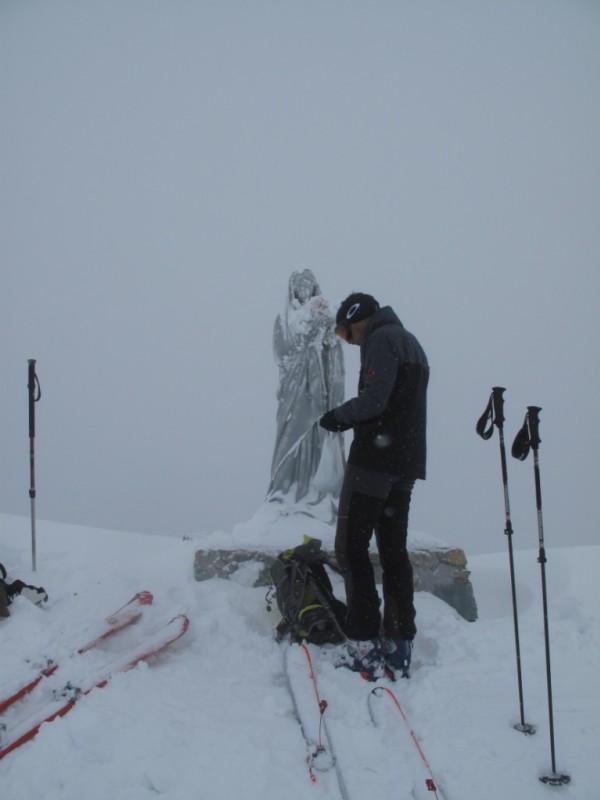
[213,717]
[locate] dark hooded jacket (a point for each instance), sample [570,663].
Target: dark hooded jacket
[389,414]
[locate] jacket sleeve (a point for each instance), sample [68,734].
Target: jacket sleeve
[379,371]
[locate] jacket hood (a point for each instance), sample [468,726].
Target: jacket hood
[385,316]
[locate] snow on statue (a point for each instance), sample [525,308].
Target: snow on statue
[308,462]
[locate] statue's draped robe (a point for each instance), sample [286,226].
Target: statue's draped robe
[311,381]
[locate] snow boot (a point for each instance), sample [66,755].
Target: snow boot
[365,657]
[397,653]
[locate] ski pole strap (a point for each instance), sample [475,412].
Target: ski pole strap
[521,445]
[493,414]
[485,423]
[529,435]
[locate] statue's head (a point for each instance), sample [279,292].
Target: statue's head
[303,285]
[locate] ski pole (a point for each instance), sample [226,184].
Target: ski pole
[494,415]
[529,438]
[33,385]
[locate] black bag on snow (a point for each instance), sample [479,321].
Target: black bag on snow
[304,596]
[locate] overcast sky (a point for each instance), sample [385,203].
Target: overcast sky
[165,166]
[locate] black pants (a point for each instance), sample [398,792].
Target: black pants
[375,503]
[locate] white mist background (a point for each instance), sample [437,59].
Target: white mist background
[167,165]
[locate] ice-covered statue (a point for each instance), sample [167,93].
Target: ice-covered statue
[308,462]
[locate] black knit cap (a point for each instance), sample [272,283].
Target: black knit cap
[356,307]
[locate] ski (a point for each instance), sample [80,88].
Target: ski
[425,785]
[15,695]
[124,616]
[309,710]
[64,699]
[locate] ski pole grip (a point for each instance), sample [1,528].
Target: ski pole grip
[31,381]
[498,403]
[533,413]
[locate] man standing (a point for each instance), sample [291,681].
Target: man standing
[387,455]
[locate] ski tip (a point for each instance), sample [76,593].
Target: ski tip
[185,622]
[180,622]
[144,598]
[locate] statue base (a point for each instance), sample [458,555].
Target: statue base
[253,546]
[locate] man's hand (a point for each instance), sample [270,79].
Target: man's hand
[330,423]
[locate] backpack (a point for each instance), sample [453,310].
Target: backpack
[304,596]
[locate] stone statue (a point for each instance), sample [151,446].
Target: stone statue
[307,460]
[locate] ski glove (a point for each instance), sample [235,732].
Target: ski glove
[330,423]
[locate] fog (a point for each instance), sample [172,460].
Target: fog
[167,165]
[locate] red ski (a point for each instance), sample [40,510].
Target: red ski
[153,643]
[24,689]
[309,710]
[126,615]
[425,785]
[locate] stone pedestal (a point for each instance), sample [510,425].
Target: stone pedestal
[441,571]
